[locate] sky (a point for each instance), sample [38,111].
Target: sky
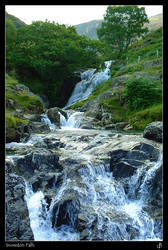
[67,14]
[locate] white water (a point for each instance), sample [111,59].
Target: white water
[72,122]
[40,219]
[101,197]
[89,80]
[46,120]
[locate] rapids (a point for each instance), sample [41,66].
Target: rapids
[90,203]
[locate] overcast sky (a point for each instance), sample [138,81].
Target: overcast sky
[67,14]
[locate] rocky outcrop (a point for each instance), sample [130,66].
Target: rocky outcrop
[124,163]
[38,160]
[17,217]
[76,176]
[154,131]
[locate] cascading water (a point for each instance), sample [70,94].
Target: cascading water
[92,205]
[111,214]
[73,120]
[46,120]
[89,80]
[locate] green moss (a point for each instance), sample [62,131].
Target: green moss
[12,121]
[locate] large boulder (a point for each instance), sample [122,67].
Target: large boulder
[124,163]
[154,131]
[40,160]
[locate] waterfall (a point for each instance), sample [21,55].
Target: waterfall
[46,120]
[73,120]
[111,214]
[40,219]
[89,80]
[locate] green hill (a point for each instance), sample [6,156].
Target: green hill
[89,28]
[107,103]
[16,21]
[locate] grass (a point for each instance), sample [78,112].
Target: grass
[140,119]
[12,121]
[22,99]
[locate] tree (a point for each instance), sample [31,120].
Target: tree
[122,25]
[11,34]
[51,53]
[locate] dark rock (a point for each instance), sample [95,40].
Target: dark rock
[123,169]
[40,159]
[154,131]
[66,213]
[152,152]
[137,155]
[17,218]
[53,143]
[116,155]
[23,131]
[124,163]
[54,116]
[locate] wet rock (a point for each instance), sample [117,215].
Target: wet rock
[37,127]
[65,212]
[152,152]
[40,159]
[17,218]
[23,131]
[53,115]
[123,169]
[53,143]
[121,125]
[124,163]
[154,131]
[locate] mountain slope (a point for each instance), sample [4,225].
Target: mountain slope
[89,28]
[107,104]
[16,21]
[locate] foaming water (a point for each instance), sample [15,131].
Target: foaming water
[40,220]
[89,80]
[73,121]
[103,201]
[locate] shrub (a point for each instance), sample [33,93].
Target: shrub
[141,93]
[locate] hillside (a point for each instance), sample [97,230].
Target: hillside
[89,28]
[16,21]
[107,104]
[19,102]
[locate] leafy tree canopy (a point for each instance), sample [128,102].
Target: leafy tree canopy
[122,25]
[53,52]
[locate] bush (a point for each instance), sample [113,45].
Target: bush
[141,93]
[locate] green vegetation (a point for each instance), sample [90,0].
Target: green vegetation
[140,119]
[12,121]
[44,61]
[146,48]
[89,28]
[136,86]
[122,26]
[27,102]
[16,21]
[140,93]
